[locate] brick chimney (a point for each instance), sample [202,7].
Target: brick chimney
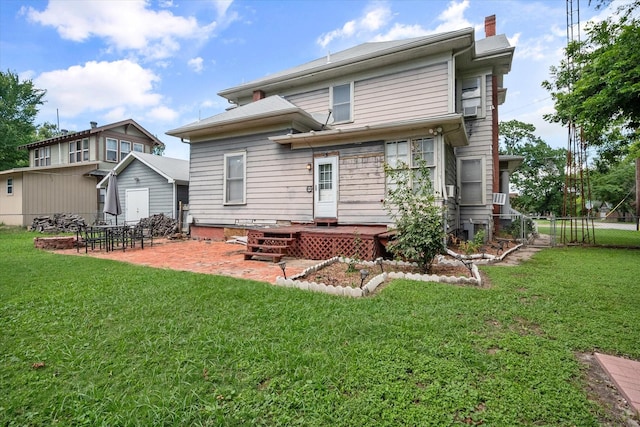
[490,26]
[258,95]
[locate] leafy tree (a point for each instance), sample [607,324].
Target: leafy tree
[540,178]
[598,86]
[616,187]
[19,103]
[419,221]
[46,130]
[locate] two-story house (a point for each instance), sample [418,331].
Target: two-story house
[309,144]
[64,170]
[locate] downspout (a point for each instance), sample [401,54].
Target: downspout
[496,156]
[452,109]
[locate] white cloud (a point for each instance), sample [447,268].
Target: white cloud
[376,16]
[196,64]
[120,88]
[162,114]
[373,24]
[124,25]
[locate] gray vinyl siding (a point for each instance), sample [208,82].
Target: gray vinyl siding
[160,191]
[480,145]
[362,184]
[316,101]
[276,182]
[451,178]
[406,95]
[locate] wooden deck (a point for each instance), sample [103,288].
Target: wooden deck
[317,242]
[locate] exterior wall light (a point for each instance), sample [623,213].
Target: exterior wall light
[309,167]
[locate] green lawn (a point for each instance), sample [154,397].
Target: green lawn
[128,345]
[602,236]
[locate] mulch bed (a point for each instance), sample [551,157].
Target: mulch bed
[339,273]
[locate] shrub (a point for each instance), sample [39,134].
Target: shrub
[419,221]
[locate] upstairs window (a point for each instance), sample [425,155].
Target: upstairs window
[235,178]
[342,102]
[471,97]
[79,151]
[125,148]
[42,156]
[112,150]
[9,186]
[137,147]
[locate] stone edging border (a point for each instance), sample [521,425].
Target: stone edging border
[377,280]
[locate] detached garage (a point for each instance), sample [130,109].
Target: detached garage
[149,185]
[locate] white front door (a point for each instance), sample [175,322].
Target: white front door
[137,204]
[325,184]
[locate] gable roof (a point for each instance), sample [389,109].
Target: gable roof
[72,136]
[268,111]
[174,170]
[357,58]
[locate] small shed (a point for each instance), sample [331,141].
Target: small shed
[149,185]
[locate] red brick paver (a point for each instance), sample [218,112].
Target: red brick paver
[200,256]
[625,374]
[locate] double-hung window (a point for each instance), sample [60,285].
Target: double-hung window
[409,152]
[42,156]
[112,149]
[79,151]
[9,186]
[125,148]
[342,102]
[235,178]
[471,177]
[471,97]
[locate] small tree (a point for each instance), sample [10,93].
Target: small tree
[419,221]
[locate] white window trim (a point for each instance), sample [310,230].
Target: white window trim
[79,148]
[436,166]
[124,141]
[244,179]
[107,150]
[140,147]
[482,113]
[42,160]
[351,97]
[483,178]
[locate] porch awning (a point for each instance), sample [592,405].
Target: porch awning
[451,126]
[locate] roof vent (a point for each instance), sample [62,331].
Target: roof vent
[93,125]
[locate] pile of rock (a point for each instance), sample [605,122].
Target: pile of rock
[58,223]
[160,225]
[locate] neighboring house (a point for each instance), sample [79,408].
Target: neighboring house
[150,185]
[309,144]
[63,172]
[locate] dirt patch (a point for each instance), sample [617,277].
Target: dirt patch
[600,388]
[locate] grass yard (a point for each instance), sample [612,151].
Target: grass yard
[87,341]
[603,236]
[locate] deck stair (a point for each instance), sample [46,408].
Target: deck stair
[269,245]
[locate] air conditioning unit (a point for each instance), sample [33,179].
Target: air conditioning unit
[470,111]
[499,198]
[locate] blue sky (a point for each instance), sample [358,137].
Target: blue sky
[162,62]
